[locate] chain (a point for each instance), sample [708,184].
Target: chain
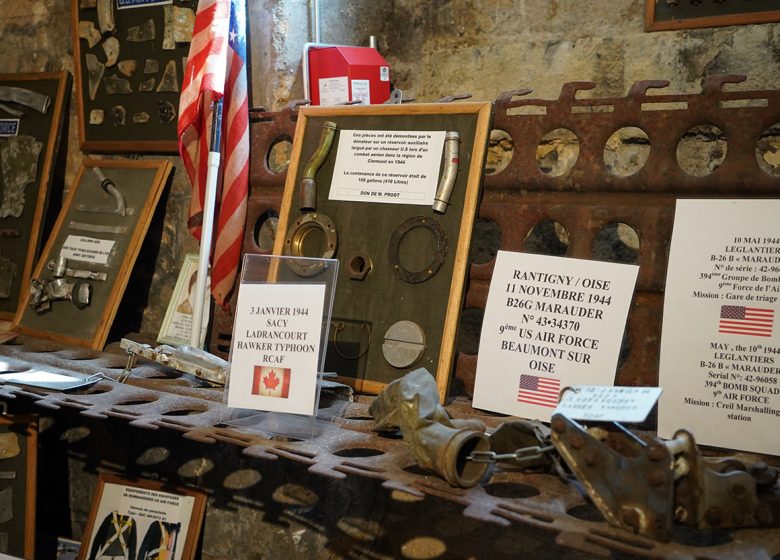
[522,455]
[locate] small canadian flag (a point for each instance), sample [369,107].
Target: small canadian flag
[271,382]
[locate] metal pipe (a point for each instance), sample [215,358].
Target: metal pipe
[112,189]
[316,21]
[442,199]
[308,188]
[372,41]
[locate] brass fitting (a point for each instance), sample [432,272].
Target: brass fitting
[308,187]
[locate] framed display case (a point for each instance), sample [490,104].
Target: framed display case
[142,519]
[663,15]
[85,266]
[391,191]
[129,58]
[18,467]
[32,109]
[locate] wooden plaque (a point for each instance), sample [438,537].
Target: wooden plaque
[377,237]
[80,226]
[665,15]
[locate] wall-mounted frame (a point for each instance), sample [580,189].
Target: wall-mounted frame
[142,519]
[18,457]
[92,249]
[381,245]
[31,131]
[177,324]
[665,15]
[129,58]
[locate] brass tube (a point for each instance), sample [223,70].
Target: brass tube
[308,187]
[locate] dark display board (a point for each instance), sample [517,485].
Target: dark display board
[662,15]
[28,153]
[130,102]
[91,222]
[18,458]
[403,266]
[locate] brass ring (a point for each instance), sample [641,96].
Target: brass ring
[301,228]
[340,326]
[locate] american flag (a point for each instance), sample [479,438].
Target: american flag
[751,321]
[216,68]
[542,391]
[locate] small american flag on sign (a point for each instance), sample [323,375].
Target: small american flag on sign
[750,321]
[542,391]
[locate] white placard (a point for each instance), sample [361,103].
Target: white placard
[141,509]
[390,166]
[608,404]
[361,91]
[275,347]
[87,249]
[549,322]
[720,346]
[333,90]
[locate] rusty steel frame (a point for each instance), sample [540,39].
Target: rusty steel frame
[155,398]
[583,201]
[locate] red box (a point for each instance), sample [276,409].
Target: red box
[339,74]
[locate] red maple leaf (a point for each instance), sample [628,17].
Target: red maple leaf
[271,381]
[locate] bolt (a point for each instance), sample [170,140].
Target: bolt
[559,424]
[656,453]
[591,458]
[576,440]
[763,515]
[737,490]
[656,477]
[714,516]
[681,514]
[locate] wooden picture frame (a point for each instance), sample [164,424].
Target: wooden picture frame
[18,455]
[158,133]
[94,238]
[21,235]
[177,324]
[366,233]
[661,15]
[135,516]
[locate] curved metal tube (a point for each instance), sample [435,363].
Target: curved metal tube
[111,188]
[443,193]
[308,187]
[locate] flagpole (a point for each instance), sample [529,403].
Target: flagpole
[207,227]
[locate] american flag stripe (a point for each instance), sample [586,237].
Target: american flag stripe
[216,67]
[749,321]
[541,391]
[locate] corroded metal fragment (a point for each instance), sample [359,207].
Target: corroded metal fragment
[19,164]
[170,78]
[95,71]
[168,43]
[105,14]
[120,115]
[89,33]
[143,32]
[151,66]
[183,23]
[141,118]
[167,111]
[111,48]
[96,116]
[127,67]
[114,85]
[7,275]
[147,85]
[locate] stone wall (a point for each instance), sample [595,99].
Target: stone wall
[434,49]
